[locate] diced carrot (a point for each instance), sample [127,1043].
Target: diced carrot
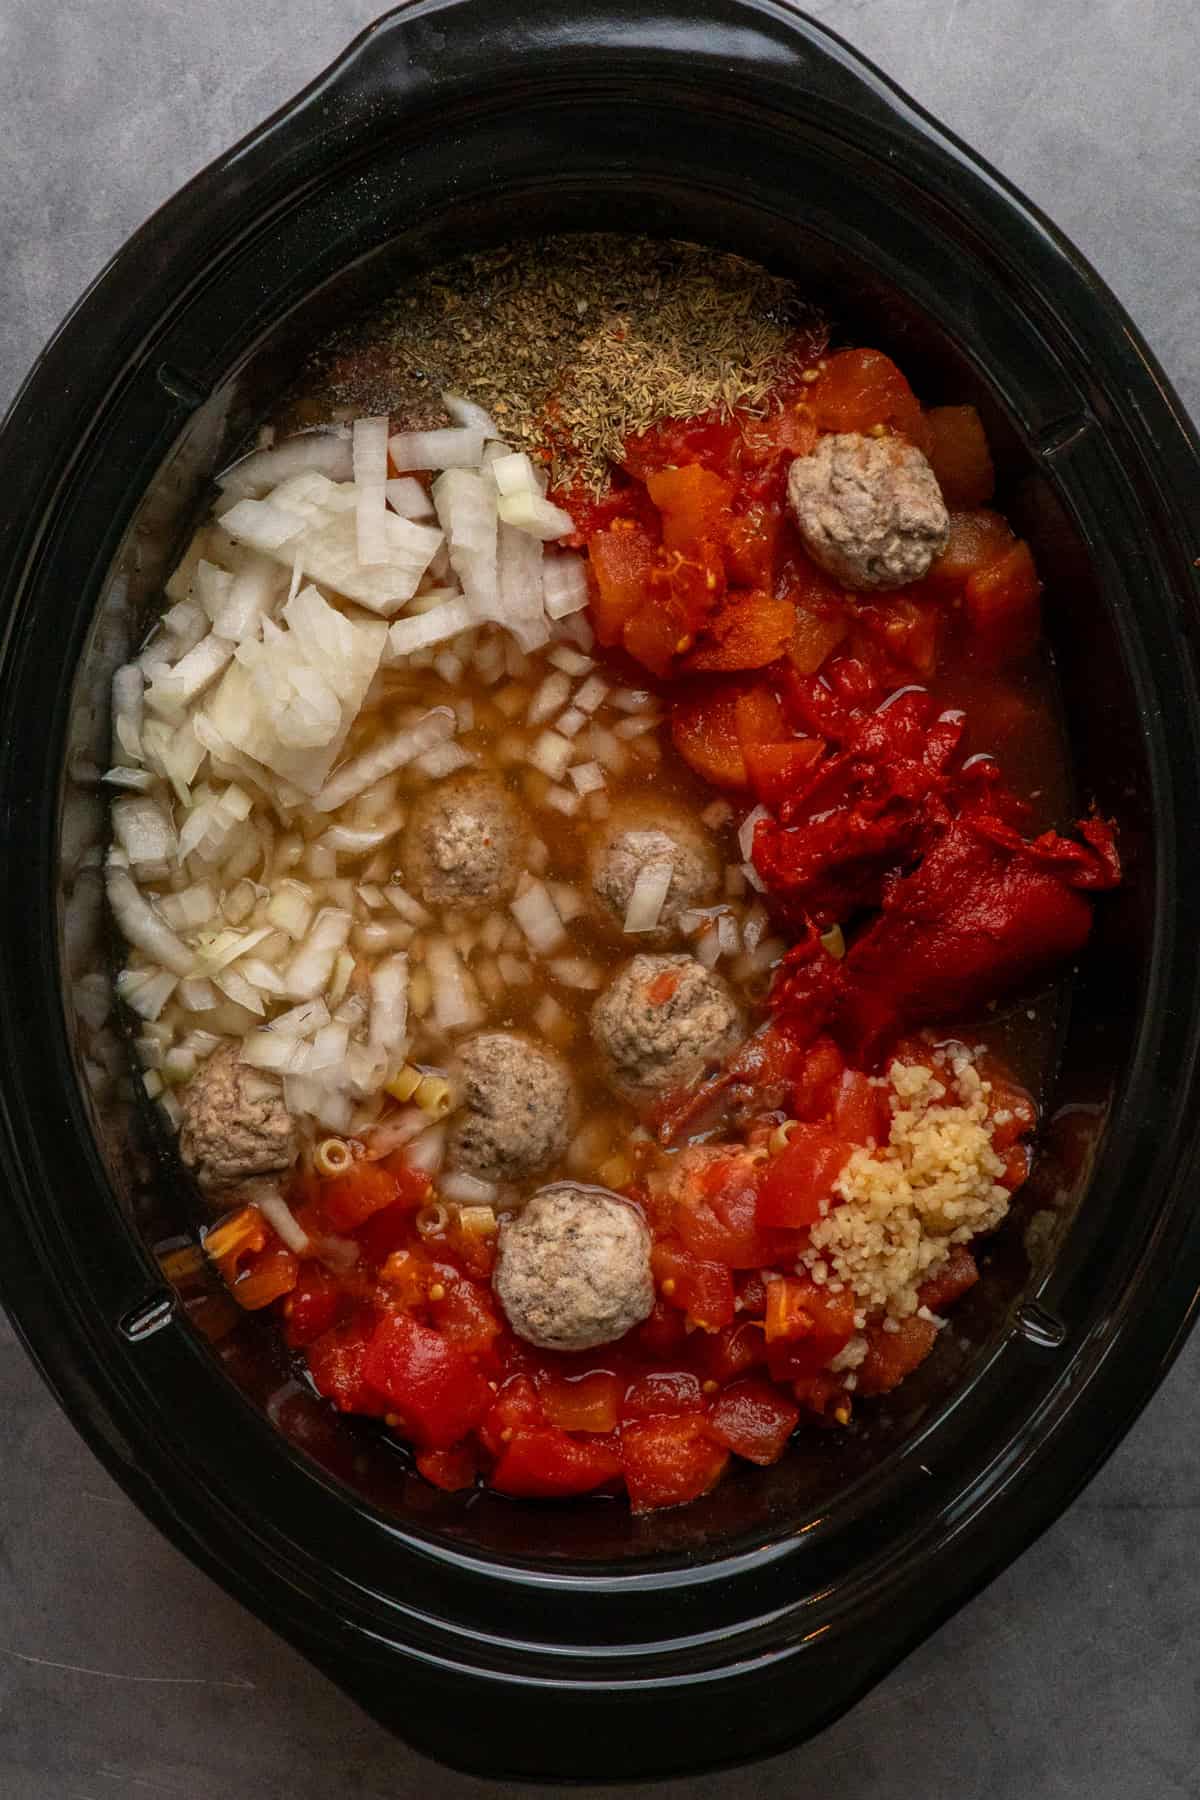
[655,635]
[816,634]
[752,545]
[750,631]
[760,718]
[959,455]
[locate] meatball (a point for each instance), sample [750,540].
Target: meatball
[235,1124]
[573,1269]
[661,1023]
[869,510]
[518,1107]
[642,831]
[464,844]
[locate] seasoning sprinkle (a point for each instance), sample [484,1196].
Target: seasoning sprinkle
[576,343]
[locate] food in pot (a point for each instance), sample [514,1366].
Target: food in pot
[588,914]
[869,509]
[661,1024]
[651,856]
[573,1268]
[516,1107]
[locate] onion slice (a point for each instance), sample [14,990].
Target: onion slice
[649,896]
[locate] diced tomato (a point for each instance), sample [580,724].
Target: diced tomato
[750,631]
[860,388]
[337,1361]
[957,1274]
[349,1200]
[385,1232]
[669,1461]
[662,1391]
[816,634]
[754,1419]
[265,1278]
[860,1109]
[959,455]
[658,633]
[705,439]
[752,1293]
[694,503]
[463,1312]
[976,539]
[908,630]
[517,1408]
[664,1331]
[891,1355]
[583,1403]
[815,1087]
[819,1323]
[794,1183]
[436,1388]
[734,1349]
[312,1306]
[451,1470]
[759,717]
[717,1216]
[1003,606]
[775,769]
[620,560]
[704,731]
[701,1289]
[752,545]
[789,430]
[823,1394]
[548,1465]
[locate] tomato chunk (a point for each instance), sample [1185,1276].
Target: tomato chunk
[891,1355]
[451,1470]
[549,1465]
[750,631]
[976,539]
[704,731]
[670,1461]
[694,503]
[754,1419]
[703,1290]
[659,1392]
[620,560]
[1002,602]
[312,1306]
[959,1273]
[436,1389]
[817,1324]
[349,1200]
[860,388]
[959,455]
[589,1402]
[337,1364]
[796,1182]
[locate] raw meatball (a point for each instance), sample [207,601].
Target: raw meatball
[518,1107]
[464,844]
[661,1023]
[235,1124]
[869,509]
[643,831]
[573,1269]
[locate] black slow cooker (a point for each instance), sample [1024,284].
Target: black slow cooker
[572,1640]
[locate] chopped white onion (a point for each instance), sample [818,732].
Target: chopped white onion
[307,974]
[425,629]
[143,830]
[562,800]
[427,1151]
[754,878]
[648,897]
[462,1189]
[453,1006]
[589,778]
[453,447]
[369,448]
[384,757]
[261,524]
[327,452]
[537,915]
[571,662]
[291,908]
[278,1214]
[570,723]
[190,908]
[591,694]
[551,754]
[519,587]
[564,584]
[530,512]
[389,1006]
[444,759]
[465,412]
[141,925]
[146,991]
[409,497]
[747,828]
[549,697]
[576,972]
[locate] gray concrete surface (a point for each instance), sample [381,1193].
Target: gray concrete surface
[124,1672]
